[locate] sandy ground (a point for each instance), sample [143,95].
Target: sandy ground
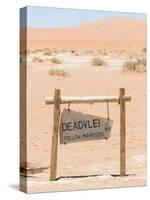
[92,163]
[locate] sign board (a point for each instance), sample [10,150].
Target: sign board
[76,127]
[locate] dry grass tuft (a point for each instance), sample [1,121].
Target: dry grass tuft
[47,53]
[97,61]
[56,61]
[88,52]
[105,53]
[56,51]
[37,50]
[37,59]
[73,51]
[135,66]
[58,72]
[64,50]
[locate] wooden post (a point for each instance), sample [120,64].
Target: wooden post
[122,134]
[53,163]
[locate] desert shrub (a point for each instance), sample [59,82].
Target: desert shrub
[122,51]
[64,50]
[141,61]
[37,59]
[46,49]
[37,50]
[144,50]
[130,66]
[56,60]
[73,51]
[48,53]
[56,51]
[88,52]
[97,61]
[105,53]
[131,57]
[135,66]
[41,60]
[58,72]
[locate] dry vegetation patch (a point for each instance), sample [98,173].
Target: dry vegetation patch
[144,50]
[73,51]
[37,50]
[58,72]
[47,53]
[97,61]
[37,59]
[87,52]
[56,60]
[135,66]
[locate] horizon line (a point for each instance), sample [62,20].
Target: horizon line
[53,18]
[83,23]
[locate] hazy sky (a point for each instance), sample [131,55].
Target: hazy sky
[43,17]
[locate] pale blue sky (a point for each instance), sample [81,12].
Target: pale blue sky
[43,17]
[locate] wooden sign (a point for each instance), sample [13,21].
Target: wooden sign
[76,127]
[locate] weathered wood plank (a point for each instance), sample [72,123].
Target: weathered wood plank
[78,127]
[122,134]
[87,99]
[53,162]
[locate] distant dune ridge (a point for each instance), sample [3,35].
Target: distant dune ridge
[111,31]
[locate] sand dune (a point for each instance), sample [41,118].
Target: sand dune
[119,30]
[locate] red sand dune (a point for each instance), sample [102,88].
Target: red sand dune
[111,30]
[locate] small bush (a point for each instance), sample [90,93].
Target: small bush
[122,51]
[56,61]
[37,59]
[64,50]
[97,61]
[129,66]
[56,51]
[73,51]
[46,49]
[37,50]
[141,61]
[48,53]
[144,50]
[135,66]
[58,72]
[105,53]
[88,52]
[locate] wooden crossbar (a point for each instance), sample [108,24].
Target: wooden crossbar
[86,99]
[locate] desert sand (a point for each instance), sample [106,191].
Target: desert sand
[92,164]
